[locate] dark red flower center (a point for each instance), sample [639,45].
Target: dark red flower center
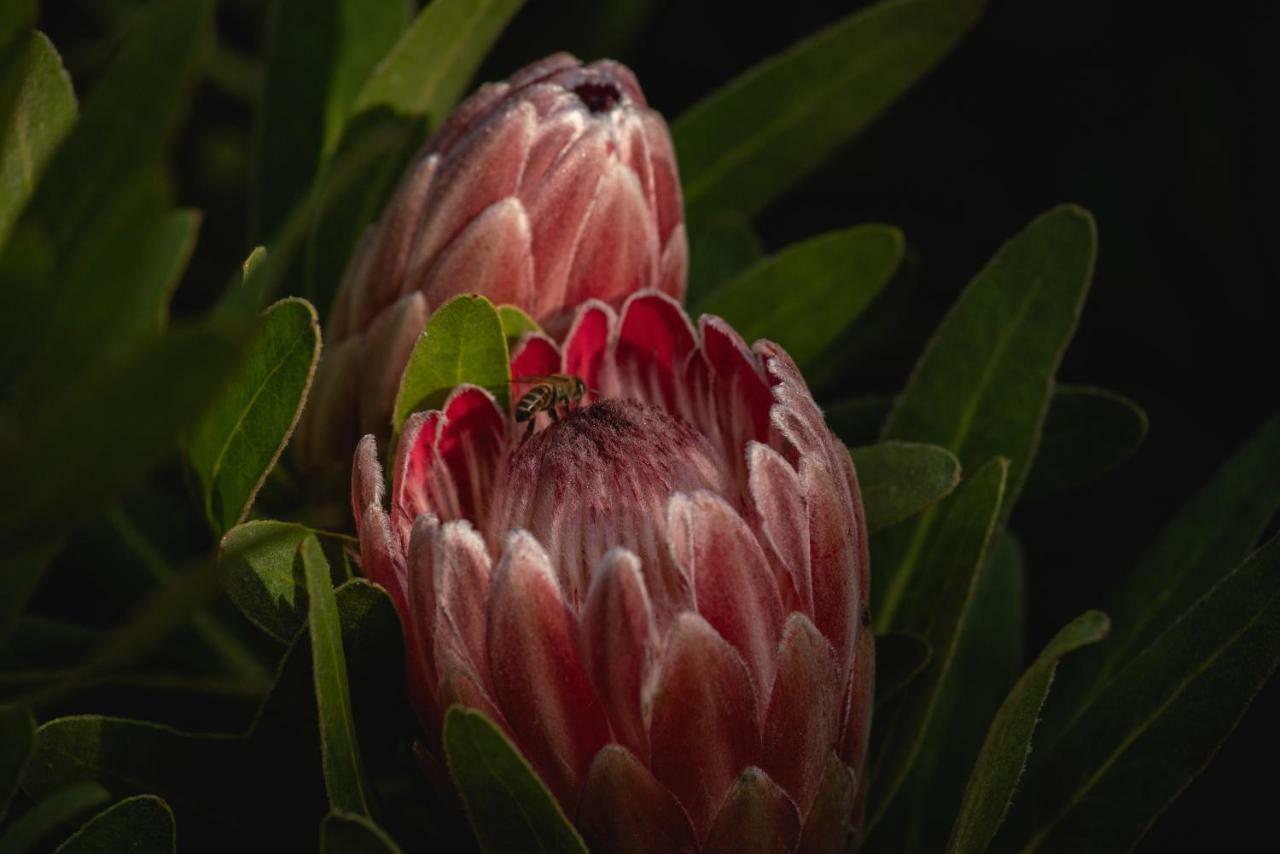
[599,97]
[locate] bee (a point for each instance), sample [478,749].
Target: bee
[547,395]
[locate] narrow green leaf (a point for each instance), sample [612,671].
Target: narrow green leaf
[150,82]
[1087,432]
[509,807]
[339,747]
[60,469]
[264,579]
[1004,753]
[49,814]
[1201,545]
[935,609]
[806,295]
[37,109]
[740,147]
[983,385]
[350,833]
[900,479]
[253,264]
[235,446]
[143,824]
[429,67]
[463,343]
[723,245]
[899,659]
[19,574]
[515,323]
[1113,772]
[322,53]
[17,734]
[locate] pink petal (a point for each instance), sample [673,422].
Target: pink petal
[742,386]
[757,816]
[802,725]
[492,255]
[465,116]
[463,570]
[473,179]
[472,436]
[654,341]
[340,324]
[624,810]
[673,270]
[828,828]
[617,249]
[702,719]
[832,558]
[862,688]
[558,209]
[398,230]
[381,559]
[668,202]
[328,427]
[535,355]
[419,616]
[554,137]
[366,480]
[461,687]
[860,523]
[387,345]
[734,589]
[588,341]
[783,520]
[415,485]
[542,69]
[619,640]
[538,677]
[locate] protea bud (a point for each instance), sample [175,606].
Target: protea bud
[660,596]
[555,187]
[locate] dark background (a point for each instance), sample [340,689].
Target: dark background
[1150,115]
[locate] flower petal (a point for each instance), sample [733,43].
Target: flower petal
[492,255]
[534,355]
[462,573]
[828,828]
[654,339]
[418,617]
[588,341]
[832,558]
[397,232]
[619,639]
[421,483]
[673,270]
[329,424]
[366,480]
[862,689]
[387,345]
[733,587]
[744,395]
[783,520]
[617,249]
[472,436]
[757,816]
[802,724]
[702,719]
[625,810]
[538,677]
[381,559]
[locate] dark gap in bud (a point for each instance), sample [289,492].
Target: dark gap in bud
[599,97]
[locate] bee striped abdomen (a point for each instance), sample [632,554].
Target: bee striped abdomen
[535,400]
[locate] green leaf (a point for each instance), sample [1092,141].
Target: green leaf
[19,16]
[1004,753]
[323,51]
[60,468]
[509,807]
[263,578]
[900,479]
[1200,546]
[19,574]
[722,246]
[37,109]
[349,833]
[429,67]
[237,443]
[17,733]
[899,659]
[983,385]
[740,147]
[515,323]
[339,747]
[807,294]
[114,289]
[52,812]
[463,343]
[143,824]
[149,82]
[1157,722]
[1087,432]
[935,610]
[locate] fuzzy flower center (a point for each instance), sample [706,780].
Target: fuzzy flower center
[600,478]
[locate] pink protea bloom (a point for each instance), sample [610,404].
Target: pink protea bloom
[552,188]
[660,596]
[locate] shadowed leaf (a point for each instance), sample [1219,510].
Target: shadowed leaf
[143,824]
[1088,432]
[900,479]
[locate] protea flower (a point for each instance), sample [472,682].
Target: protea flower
[660,596]
[552,188]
